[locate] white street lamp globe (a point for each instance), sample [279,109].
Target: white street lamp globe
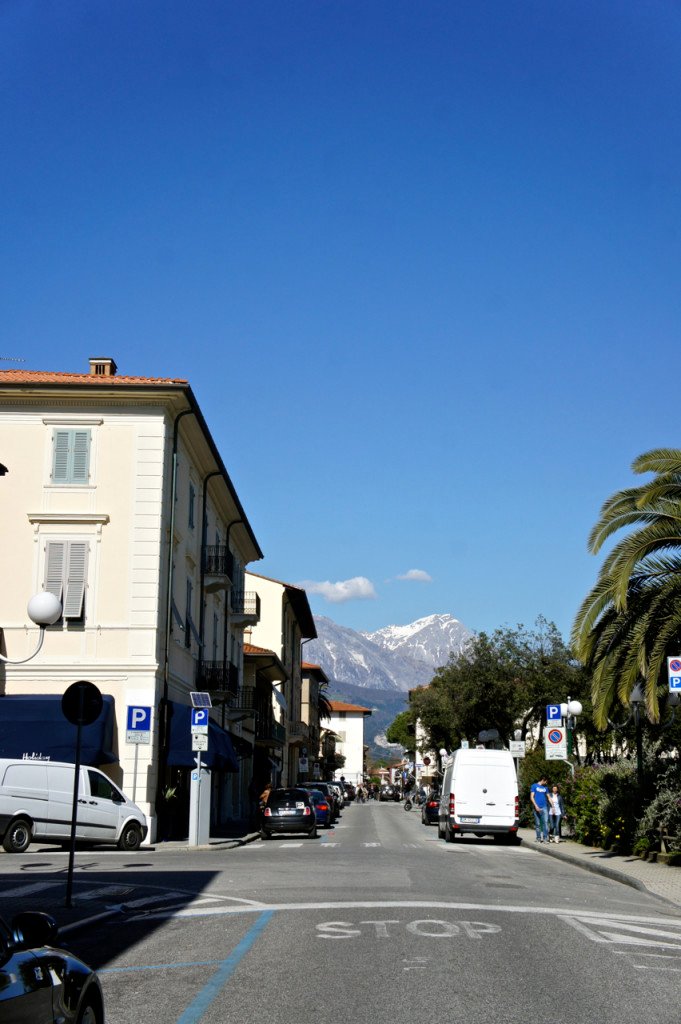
[574,707]
[44,608]
[564,710]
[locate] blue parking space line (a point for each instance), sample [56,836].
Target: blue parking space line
[210,991]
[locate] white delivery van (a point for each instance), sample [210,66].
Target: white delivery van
[36,802]
[479,795]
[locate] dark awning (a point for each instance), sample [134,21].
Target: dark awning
[220,753]
[33,726]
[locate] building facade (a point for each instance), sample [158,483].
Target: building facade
[116,499]
[347,722]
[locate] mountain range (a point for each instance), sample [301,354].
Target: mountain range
[392,658]
[377,669]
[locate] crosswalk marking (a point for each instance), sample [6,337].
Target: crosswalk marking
[28,890]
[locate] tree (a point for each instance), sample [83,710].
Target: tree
[501,681]
[630,620]
[401,730]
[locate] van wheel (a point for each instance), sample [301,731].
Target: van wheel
[131,838]
[18,836]
[449,835]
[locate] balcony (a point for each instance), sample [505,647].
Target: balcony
[269,731]
[298,732]
[218,568]
[244,607]
[218,677]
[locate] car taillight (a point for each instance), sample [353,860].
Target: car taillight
[268,812]
[307,811]
[517,807]
[451,804]
[432,803]
[323,807]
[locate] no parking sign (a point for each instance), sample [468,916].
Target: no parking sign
[555,743]
[674,673]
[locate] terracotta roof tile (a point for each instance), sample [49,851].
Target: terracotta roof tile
[338,705]
[252,649]
[48,377]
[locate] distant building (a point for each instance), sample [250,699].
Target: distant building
[347,722]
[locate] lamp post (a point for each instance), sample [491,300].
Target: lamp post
[44,609]
[636,702]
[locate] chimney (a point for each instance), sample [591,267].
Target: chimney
[102,366]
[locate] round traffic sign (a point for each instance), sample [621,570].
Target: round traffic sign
[555,736]
[82,703]
[426,761]
[675,665]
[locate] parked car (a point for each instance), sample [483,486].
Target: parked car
[323,808]
[328,790]
[387,793]
[430,809]
[350,791]
[340,790]
[41,982]
[289,810]
[36,802]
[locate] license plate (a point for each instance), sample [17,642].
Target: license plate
[287,810]
[469,821]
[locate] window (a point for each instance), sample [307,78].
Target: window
[70,456]
[192,502]
[100,787]
[66,574]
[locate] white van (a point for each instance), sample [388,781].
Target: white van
[479,795]
[36,802]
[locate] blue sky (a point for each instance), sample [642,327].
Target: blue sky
[420,262]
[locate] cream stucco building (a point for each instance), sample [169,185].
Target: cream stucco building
[117,499]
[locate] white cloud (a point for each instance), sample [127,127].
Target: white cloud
[416,574]
[359,588]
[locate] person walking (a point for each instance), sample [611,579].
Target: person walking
[539,792]
[556,812]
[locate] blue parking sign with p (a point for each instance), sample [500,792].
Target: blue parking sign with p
[199,717]
[553,713]
[139,719]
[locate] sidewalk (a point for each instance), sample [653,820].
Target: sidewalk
[659,879]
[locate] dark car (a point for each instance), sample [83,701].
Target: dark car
[430,809]
[387,793]
[289,810]
[39,981]
[327,790]
[350,791]
[323,808]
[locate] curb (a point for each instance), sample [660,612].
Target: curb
[593,866]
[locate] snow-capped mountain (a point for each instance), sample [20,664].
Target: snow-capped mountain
[393,658]
[431,639]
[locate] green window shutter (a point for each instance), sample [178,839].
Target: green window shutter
[76,575]
[71,457]
[54,568]
[81,457]
[60,460]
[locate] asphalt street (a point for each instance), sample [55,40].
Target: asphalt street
[376,920]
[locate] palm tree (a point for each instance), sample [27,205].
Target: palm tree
[631,619]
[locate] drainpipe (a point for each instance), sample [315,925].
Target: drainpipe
[204,531]
[163,708]
[235,522]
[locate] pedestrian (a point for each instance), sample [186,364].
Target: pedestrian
[264,796]
[539,792]
[556,812]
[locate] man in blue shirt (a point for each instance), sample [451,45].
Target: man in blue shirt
[540,805]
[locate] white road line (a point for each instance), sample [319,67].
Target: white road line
[523,910]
